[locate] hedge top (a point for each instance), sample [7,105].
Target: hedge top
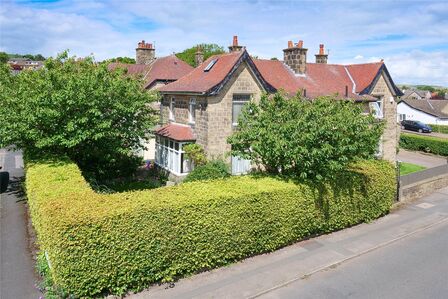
[71,200]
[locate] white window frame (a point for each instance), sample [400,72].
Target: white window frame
[235,121]
[170,158]
[377,108]
[172,109]
[192,111]
[402,116]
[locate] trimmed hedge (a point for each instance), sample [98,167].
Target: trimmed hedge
[434,145]
[216,169]
[439,128]
[100,243]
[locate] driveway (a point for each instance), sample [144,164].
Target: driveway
[401,255]
[17,275]
[422,159]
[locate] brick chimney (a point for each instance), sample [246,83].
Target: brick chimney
[321,57]
[198,56]
[144,53]
[295,57]
[235,47]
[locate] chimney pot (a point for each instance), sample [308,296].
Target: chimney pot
[321,57]
[235,40]
[235,47]
[145,53]
[295,57]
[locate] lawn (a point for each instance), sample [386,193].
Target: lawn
[407,168]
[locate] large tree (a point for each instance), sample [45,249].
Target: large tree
[79,109]
[309,139]
[208,50]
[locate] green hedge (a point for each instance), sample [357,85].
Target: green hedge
[100,243]
[439,128]
[434,145]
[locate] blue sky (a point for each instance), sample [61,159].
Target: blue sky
[411,36]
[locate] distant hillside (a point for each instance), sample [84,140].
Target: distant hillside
[431,88]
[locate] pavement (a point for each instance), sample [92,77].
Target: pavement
[401,255]
[422,159]
[432,134]
[17,275]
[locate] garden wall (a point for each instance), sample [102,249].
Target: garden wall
[98,243]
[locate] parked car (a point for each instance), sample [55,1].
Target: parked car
[415,125]
[4,180]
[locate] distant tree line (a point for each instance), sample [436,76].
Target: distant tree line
[4,57]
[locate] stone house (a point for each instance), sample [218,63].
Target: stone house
[156,72]
[203,106]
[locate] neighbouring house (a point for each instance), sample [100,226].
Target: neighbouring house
[416,94]
[433,112]
[203,106]
[156,72]
[21,63]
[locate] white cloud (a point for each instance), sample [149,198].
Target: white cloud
[352,31]
[418,67]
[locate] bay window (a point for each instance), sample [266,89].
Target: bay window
[170,155]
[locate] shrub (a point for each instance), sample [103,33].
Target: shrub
[303,138]
[439,128]
[195,153]
[217,169]
[99,243]
[434,145]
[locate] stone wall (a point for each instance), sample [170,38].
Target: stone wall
[220,110]
[391,131]
[181,115]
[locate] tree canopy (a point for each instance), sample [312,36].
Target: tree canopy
[303,138]
[127,60]
[208,50]
[37,57]
[76,108]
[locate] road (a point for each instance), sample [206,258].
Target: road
[415,267]
[17,275]
[432,134]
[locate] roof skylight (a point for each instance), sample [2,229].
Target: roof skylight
[210,65]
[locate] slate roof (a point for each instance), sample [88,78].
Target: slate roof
[168,68]
[437,108]
[176,131]
[409,92]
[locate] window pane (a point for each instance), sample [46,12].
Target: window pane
[236,111]
[171,144]
[176,146]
